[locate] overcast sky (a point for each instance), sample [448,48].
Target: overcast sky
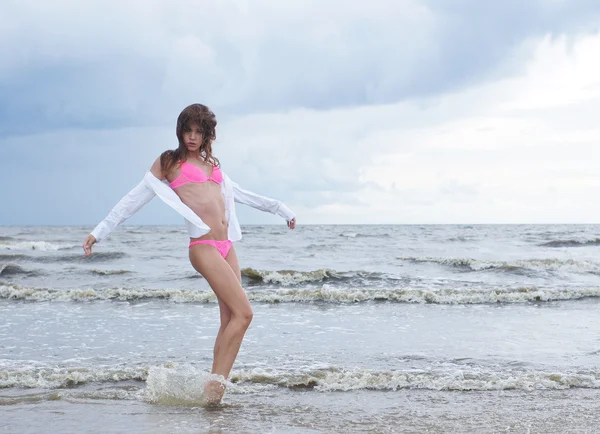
[380,111]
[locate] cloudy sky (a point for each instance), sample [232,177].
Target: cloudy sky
[380,111]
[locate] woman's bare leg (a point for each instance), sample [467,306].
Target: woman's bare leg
[233,262]
[226,285]
[225,313]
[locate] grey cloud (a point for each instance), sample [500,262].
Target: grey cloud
[112,65]
[94,95]
[75,177]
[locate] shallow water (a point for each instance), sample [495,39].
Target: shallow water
[356,329]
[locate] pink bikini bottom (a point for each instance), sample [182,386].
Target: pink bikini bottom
[223,246]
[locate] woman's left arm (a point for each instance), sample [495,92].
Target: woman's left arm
[263,203]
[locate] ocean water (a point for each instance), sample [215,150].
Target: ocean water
[379,329]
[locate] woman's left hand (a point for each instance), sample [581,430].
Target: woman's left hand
[292,223]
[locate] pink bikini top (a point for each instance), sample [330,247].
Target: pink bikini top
[191,173]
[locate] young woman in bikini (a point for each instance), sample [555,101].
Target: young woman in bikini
[205,196]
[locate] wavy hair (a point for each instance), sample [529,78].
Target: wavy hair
[203,117]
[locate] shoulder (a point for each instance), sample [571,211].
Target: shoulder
[167,156]
[163,164]
[156,169]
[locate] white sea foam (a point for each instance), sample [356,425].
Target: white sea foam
[109,272]
[54,377]
[18,292]
[33,245]
[184,384]
[543,264]
[288,277]
[443,378]
[324,294]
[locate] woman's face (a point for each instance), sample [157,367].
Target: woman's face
[192,137]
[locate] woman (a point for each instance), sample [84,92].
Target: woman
[204,195]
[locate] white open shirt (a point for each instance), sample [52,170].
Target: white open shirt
[151,186]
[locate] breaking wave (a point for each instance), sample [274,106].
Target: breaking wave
[572,243]
[184,385]
[325,294]
[457,378]
[33,245]
[78,258]
[550,264]
[293,277]
[14,269]
[53,378]
[359,235]
[109,272]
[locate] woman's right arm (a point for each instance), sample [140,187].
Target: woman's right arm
[131,203]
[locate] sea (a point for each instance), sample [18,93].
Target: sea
[357,329]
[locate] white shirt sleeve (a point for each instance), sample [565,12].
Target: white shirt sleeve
[261,203]
[131,203]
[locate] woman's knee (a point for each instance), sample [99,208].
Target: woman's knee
[244,316]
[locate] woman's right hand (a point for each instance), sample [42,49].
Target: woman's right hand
[88,243]
[292,223]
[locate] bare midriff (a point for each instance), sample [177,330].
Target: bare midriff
[206,200]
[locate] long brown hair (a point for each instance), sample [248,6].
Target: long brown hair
[203,117]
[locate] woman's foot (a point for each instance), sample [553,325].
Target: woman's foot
[213,392]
